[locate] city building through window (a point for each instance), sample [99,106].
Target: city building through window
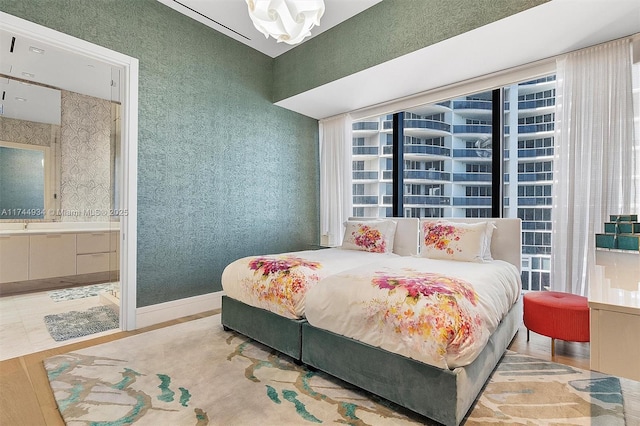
[447,164]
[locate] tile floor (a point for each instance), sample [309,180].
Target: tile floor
[22,327]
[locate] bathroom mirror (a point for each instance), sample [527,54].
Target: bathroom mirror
[75,140]
[70,104]
[29,131]
[24,181]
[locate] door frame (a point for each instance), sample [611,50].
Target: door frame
[128,144]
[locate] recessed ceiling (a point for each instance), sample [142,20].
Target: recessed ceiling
[542,32]
[231,17]
[23,60]
[30,102]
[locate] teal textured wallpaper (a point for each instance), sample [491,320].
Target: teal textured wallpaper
[222,173]
[389,29]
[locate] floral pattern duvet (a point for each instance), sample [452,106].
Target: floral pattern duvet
[279,282]
[439,312]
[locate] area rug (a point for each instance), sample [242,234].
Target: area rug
[195,373]
[72,324]
[80,292]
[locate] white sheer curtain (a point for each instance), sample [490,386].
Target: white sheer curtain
[594,156]
[335,177]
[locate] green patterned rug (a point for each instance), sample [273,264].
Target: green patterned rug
[70,325]
[74,293]
[195,373]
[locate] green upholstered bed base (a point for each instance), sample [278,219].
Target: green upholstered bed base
[273,330]
[441,395]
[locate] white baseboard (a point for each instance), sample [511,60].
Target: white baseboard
[155,314]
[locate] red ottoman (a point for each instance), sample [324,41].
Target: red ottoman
[557,315]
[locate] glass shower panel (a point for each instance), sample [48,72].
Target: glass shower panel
[116,213]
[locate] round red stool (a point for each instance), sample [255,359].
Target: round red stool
[563,316]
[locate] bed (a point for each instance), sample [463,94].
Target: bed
[441,391]
[265,295]
[440,385]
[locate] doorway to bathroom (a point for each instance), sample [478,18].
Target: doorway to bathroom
[59,220]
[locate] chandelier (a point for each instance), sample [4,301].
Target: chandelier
[287,21]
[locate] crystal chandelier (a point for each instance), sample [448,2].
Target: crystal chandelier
[287,21]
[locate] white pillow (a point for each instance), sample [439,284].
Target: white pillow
[487,244]
[465,242]
[370,235]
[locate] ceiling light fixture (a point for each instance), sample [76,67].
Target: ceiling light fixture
[288,21]
[28,74]
[36,50]
[19,99]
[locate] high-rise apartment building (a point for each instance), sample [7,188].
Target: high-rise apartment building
[447,164]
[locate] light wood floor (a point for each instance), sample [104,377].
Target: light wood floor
[26,399]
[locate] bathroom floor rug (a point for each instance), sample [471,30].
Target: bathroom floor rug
[80,292]
[73,324]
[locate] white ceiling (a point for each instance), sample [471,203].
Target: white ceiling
[53,67]
[545,31]
[231,17]
[61,69]
[30,102]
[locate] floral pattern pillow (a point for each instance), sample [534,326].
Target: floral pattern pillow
[465,242]
[374,236]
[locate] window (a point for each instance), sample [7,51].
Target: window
[478,191]
[529,119]
[478,213]
[448,167]
[478,168]
[446,149]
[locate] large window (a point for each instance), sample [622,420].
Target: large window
[529,123]
[447,164]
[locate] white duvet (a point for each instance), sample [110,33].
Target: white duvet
[279,282]
[439,312]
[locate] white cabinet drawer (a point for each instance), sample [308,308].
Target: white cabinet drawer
[52,255]
[14,258]
[114,261]
[95,262]
[94,242]
[115,241]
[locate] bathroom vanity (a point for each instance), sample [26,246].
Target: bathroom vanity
[40,251]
